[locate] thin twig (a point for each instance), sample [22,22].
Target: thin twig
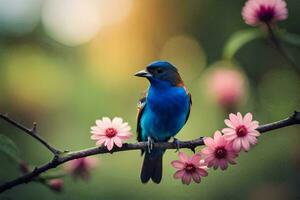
[32,132]
[278,46]
[292,120]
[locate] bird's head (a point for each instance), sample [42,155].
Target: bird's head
[161,72]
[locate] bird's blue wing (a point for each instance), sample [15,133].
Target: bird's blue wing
[141,106]
[188,114]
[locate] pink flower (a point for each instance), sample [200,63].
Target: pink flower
[241,132]
[189,168]
[219,152]
[81,167]
[110,132]
[56,184]
[264,11]
[227,86]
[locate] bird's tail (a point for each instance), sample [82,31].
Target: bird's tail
[152,167]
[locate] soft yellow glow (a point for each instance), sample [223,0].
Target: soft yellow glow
[114,11]
[71,22]
[114,57]
[186,53]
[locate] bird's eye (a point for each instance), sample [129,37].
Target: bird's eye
[159,70]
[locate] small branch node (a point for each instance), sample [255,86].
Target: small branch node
[34,127]
[34,170]
[296,116]
[193,149]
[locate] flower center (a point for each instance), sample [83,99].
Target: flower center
[220,152]
[110,132]
[265,13]
[190,167]
[241,131]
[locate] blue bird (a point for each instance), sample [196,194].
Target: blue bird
[161,114]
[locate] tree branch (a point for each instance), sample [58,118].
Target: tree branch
[32,132]
[62,158]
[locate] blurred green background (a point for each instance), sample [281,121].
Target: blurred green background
[66,63]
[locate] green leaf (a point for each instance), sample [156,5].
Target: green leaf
[290,38]
[238,40]
[8,147]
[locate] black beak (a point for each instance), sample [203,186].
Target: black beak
[143,73]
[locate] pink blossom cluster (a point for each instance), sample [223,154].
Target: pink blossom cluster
[220,150]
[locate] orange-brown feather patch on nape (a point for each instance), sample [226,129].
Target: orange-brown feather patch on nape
[178,81]
[180,84]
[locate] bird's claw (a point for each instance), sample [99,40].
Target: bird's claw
[176,142]
[150,143]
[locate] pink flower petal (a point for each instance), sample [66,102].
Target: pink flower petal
[97,132]
[110,145]
[117,122]
[202,172]
[230,137]
[99,123]
[208,141]
[124,135]
[254,133]
[217,136]
[97,137]
[253,125]
[183,157]
[229,123]
[228,130]
[216,164]
[196,177]
[117,141]
[186,178]
[223,164]
[195,159]
[179,174]
[178,164]
[237,144]
[95,128]
[101,141]
[207,151]
[125,129]
[231,160]
[240,118]
[210,158]
[248,118]
[252,139]
[245,144]
[234,119]
[106,122]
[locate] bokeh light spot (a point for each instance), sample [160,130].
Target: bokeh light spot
[71,22]
[226,84]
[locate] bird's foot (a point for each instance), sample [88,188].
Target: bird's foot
[150,143]
[177,143]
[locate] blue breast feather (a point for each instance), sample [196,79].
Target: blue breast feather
[165,113]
